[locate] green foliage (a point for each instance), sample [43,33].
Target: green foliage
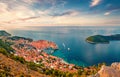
[47,71]
[80,71]
[91,70]
[69,74]
[52,72]
[32,66]
[5,45]
[22,75]
[57,73]
[17,58]
[3,51]
[7,69]
[5,74]
[100,65]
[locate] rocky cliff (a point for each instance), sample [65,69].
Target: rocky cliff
[109,71]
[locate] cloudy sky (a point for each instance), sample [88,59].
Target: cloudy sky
[20,13]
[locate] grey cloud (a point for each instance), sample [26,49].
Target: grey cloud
[68,13]
[29,18]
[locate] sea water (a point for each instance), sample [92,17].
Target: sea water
[72,45]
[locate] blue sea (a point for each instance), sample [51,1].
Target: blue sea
[72,45]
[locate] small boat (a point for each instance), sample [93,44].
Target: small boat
[63,45]
[52,51]
[68,49]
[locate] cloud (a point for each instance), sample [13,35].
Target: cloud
[95,3]
[68,13]
[13,10]
[3,8]
[34,13]
[107,13]
[71,13]
[112,9]
[29,1]
[22,12]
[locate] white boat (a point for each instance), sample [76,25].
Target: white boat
[52,51]
[68,49]
[63,45]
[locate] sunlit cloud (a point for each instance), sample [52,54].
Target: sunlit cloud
[94,3]
[112,9]
[107,13]
[20,13]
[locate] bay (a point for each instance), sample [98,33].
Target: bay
[72,45]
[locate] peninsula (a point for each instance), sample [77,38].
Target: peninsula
[34,51]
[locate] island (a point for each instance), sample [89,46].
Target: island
[97,39]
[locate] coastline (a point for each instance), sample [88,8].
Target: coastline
[91,42]
[33,51]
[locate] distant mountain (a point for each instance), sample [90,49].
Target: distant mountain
[102,39]
[4,33]
[18,38]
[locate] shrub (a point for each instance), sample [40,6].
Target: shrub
[4,52]
[32,66]
[17,58]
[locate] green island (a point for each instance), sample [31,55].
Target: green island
[103,39]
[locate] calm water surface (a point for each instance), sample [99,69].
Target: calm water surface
[72,45]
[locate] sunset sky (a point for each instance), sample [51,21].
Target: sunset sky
[22,13]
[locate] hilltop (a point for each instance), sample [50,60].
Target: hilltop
[4,33]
